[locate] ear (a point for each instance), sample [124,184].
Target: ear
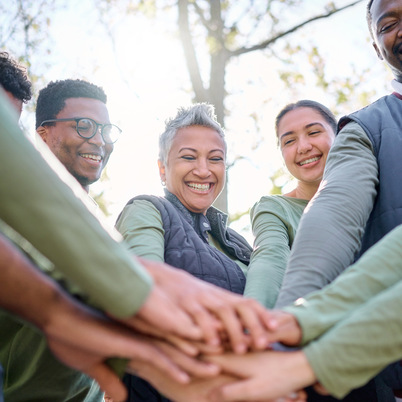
[162,173]
[379,55]
[43,132]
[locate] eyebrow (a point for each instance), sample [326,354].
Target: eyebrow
[385,15]
[306,126]
[194,150]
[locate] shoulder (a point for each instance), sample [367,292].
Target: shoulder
[277,204]
[138,210]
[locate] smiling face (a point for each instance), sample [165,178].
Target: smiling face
[305,139]
[387,32]
[83,158]
[195,170]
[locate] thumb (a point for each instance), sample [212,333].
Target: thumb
[109,382]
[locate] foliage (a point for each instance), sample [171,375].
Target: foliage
[213,33]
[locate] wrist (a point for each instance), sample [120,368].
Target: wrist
[300,370]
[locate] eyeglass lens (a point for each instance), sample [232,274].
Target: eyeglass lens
[87,128]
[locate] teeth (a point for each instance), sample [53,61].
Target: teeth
[93,157]
[309,161]
[198,186]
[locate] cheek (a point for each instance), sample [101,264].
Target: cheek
[108,150]
[220,173]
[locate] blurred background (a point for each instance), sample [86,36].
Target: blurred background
[247,57]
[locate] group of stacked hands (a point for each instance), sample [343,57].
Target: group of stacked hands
[102,309]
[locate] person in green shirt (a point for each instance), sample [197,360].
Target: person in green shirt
[305,131]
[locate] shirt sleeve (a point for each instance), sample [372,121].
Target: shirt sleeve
[141,225]
[361,345]
[375,272]
[270,254]
[330,230]
[38,203]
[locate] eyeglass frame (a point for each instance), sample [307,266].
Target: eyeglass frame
[77,119]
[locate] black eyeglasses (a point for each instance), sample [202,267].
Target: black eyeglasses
[87,128]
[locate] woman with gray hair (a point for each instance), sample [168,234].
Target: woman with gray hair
[182,228]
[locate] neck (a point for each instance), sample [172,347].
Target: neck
[86,188]
[303,191]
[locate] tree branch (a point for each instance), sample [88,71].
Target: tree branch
[280,35]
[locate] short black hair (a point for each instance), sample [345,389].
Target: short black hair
[51,99]
[369,17]
[14,78]
[320,108]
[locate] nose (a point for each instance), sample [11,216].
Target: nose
[202,168]
[97,139]
[304,145]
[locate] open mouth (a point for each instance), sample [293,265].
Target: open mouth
[201,187]
[92,157]
[311,160]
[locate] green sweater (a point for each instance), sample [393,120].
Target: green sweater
[354,325]
[274,222]
[47,208]
[57,220]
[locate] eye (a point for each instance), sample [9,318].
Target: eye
[85,125]
[188,157]
[216,159]
[314,132]
[287,142]
[387,27]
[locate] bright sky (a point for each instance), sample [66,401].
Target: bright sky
[146,80]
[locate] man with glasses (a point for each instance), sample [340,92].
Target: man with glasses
[73,120]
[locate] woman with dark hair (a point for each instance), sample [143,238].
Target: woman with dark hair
[305,131]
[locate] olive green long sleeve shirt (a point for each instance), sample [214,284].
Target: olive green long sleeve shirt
[38,203]
[354,325]
[274,221]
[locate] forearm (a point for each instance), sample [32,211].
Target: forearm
[263,283]
[269,258]
[377,270]
[332,225]
[48,213]
[25,291]
[354,351]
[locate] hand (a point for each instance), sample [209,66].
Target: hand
[84,340]
[200,390]
[264,375]
[205,303]
[284,328]
[192,366]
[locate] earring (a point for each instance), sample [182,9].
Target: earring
[163,183]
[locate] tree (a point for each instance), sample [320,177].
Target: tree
[225,30]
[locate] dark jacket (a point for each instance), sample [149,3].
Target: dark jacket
[187,247]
